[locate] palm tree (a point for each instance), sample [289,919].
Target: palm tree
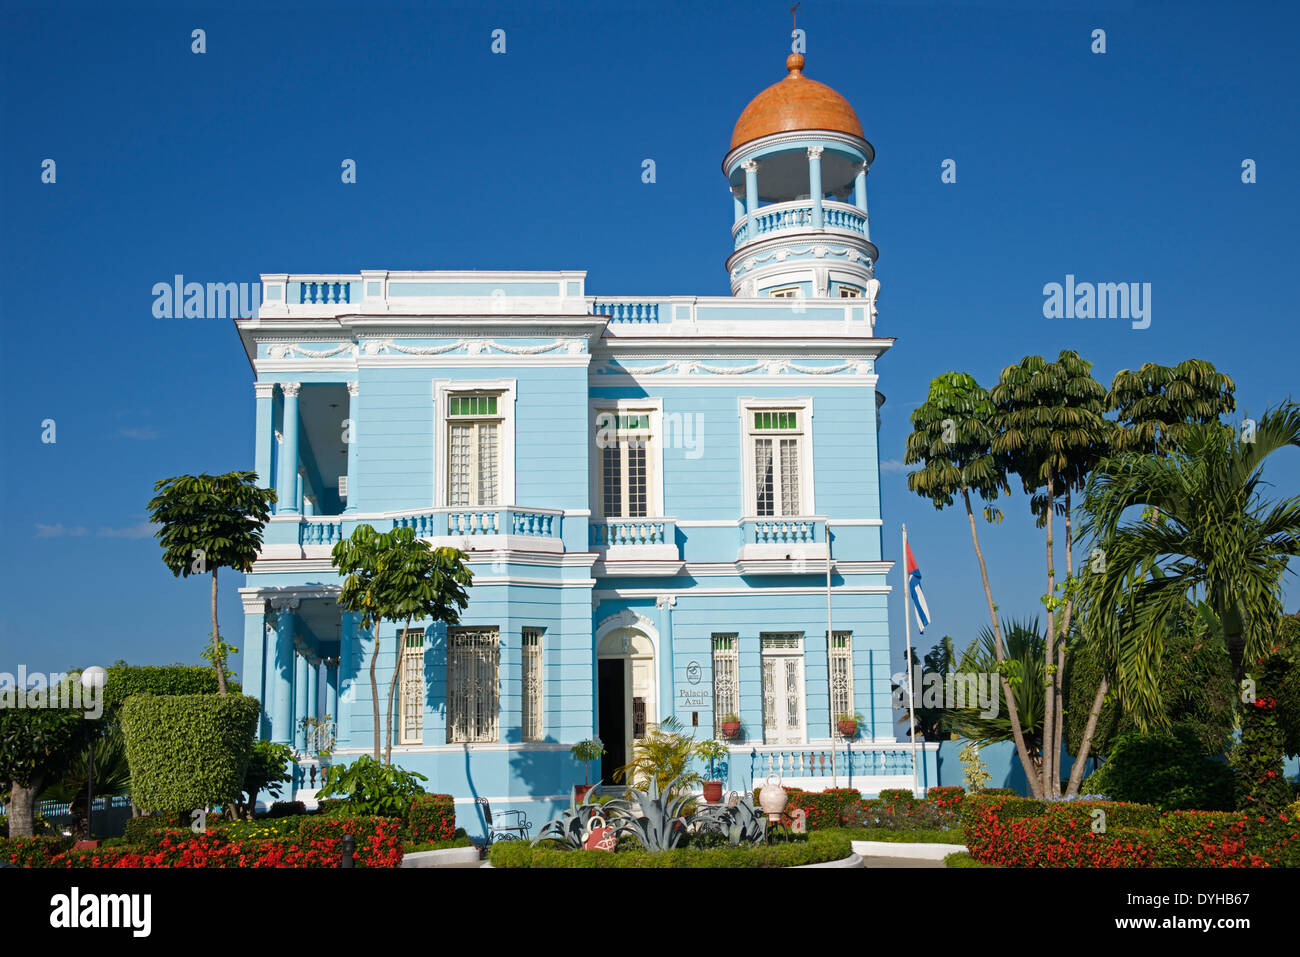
[1158,403]
[951,439]
[1023,664]
[209,522]
[1051,434]
[1218,539]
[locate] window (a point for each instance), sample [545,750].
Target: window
[724,680]
[412,679]
[841,674]
[532,690]
[776,443]
[473,670]
[623,445]
[786,292]
[850,292]
[473,450]
[782,658]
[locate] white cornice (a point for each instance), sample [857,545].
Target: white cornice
[793,138]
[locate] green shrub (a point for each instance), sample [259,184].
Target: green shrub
[431,818]
[286,809]
[31,851]
[1258,756]
[817,848]
[126,680]
[146,830]
[370,787]
[268,769]
[1166,770]
[188,751]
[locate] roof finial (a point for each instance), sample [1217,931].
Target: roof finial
[794,62]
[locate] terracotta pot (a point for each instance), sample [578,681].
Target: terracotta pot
[580,791]
[848,729]
[731,729]
[713,792]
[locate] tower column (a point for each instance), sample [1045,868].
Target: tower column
[280,673]
[288,490]
[815,185]
[751,197]
[354,411]
[737,203]
[300,691]
[860,188]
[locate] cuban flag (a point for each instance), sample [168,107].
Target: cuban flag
[914,589]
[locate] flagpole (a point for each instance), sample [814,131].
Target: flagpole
[830,641]
[911,686]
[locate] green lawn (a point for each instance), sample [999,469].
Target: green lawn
[955,836]
[963,860]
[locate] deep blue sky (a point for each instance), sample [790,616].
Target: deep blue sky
[1117,167]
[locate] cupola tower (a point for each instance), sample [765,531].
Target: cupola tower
[797,168]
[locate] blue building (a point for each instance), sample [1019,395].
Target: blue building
[671,505]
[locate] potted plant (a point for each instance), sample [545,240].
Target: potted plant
[586,752]
[730,726]
[847,725]
[712,750]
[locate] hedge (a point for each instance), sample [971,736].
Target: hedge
[432,818]
[1021,832]
[823,808]
[126,680]
[188,751]
[30,851]
[378,844]
[816,849]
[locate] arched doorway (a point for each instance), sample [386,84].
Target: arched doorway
[626,690]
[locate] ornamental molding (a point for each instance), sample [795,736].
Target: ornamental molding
[354,389]
[627,618]
[816,251]
[473,347]
[763,367]
[666,601]
[291,389]
[466,346]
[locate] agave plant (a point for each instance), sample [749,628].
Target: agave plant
[741,823]
[654,817]
[574,823]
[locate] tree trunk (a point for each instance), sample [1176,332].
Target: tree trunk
[1051,782]
[22,807]
[1076,772]
[1022,750]
[216,637]
[1061,652]
[392,685]
[374,689]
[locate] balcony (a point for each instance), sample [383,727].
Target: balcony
[635,539]
[797,216]
[782,545]
[469,529]
[869,767]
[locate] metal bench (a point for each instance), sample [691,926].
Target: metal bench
[497,827]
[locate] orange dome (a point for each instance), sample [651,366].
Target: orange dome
[795,103]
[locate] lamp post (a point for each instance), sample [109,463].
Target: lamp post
[92,679]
